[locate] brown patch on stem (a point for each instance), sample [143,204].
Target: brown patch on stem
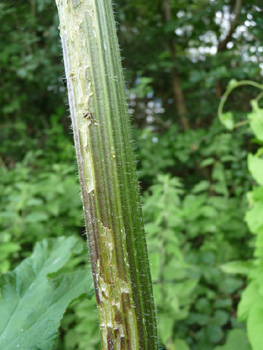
[109,339]
[122,343]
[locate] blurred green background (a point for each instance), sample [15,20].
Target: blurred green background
[179,56]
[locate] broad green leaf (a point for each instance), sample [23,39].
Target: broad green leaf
[185,289]
[214,333]
[230,284]
[165,327]
[237,339]
[228,120]
[255,166]
[237,267]
[202,185]
[180,344]
[255,327]
[250,297]
[36,217]
[254,218]
[33,302]
[256,120]
[206,162]
[199,318]
[220,318]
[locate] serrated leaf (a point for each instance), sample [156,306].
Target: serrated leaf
[33,303]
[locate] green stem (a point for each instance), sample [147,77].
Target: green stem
[228,91]
[107,174]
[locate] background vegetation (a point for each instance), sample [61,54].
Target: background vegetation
[179,57]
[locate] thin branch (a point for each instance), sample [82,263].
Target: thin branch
[177,90]
[222,44]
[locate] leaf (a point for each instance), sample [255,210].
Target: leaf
[254,218]
[255,166]
[255,327]
[230,284]
[236,339]
[165,327]
[32,303]
[202,186]
[214,333]
[237,267]
[220,318]
[206,162]
[36,217]
[256,120]
[250,297]
[228,120]
[180,344]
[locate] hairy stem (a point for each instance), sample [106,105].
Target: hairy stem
[108,175]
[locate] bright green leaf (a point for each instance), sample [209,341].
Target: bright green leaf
[237,267]
[165,327]
[33,303]
[228,120]
[255,327]
[255,166]
[206,162]
[203,185]
[180,344]
[256,120]
[250,297]
[237,339]
[254,218]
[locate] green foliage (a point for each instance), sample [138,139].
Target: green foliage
[189,236]
[34,297]
[212,156]
[42,203]
[250,308]
[81,326]
[201,221]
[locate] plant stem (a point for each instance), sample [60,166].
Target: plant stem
[228,91]
[107,174]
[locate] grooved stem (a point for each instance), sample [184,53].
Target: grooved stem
[108,175]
